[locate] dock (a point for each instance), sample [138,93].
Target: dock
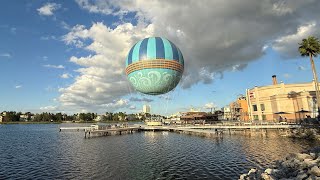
[200,130]
[74,128]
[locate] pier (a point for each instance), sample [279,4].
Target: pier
[200,130]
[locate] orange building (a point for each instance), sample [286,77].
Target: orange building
[239,109]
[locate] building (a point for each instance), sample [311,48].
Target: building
[239,109]
[100,117]
[197,118]
[24,117]
[282,102]
[146,109]
[226,113]
[175,118]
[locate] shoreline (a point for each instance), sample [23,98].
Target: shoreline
[299,166]
[43,122]
[62,122]
[304,165]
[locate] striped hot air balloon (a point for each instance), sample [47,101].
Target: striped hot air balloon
[154,65]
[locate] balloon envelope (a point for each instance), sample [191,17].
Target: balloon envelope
[154,65]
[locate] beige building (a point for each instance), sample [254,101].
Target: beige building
[146,109]
[284,102]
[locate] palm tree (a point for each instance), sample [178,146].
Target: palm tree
[311,47]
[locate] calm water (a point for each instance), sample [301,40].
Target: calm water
[41,152]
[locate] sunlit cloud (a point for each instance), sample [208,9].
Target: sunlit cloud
[48,9]
[54,66]
[65,75]
[6,55]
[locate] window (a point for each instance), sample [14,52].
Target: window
[262,107]
[255,117]
[254,107]
[264,117]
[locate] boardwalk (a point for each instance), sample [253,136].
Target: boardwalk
[206,130]
[109,131]
[269,126]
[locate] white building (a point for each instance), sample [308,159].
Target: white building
[146,109]
[99,117]
[226,113]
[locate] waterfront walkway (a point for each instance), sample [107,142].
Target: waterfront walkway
[203,130]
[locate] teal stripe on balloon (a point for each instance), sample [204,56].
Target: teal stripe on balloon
[127,61]
[151,49]
[135,53]
[167,49]
[181,60]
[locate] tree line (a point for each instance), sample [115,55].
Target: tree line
[13,116]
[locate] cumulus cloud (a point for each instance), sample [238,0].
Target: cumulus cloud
[113,7]
[288,45]
[49,108]
[132,107]
[214,36]
[101,78]
[6,55]
[48,9]
[134,99]
[54,66]
[18,86]
[117,104]
[65,75]
[210,105]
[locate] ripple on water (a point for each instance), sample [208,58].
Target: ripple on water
[41,152]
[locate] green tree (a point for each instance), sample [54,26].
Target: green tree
[311,47]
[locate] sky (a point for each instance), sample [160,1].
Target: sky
[69,56]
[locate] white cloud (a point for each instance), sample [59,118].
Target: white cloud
[18,86]
[223,36]
[49,108]
[288,45]
[134,99]
[64,25]
[45,38]
[50,89]
[48,9]
[98,6]
[287,75]
[117,104]
[102,78]
[54,66]
[132,107]
[6,55]
[65,75]
[210,105]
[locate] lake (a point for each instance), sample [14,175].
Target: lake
[40,151]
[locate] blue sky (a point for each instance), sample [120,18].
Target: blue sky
[69,55]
